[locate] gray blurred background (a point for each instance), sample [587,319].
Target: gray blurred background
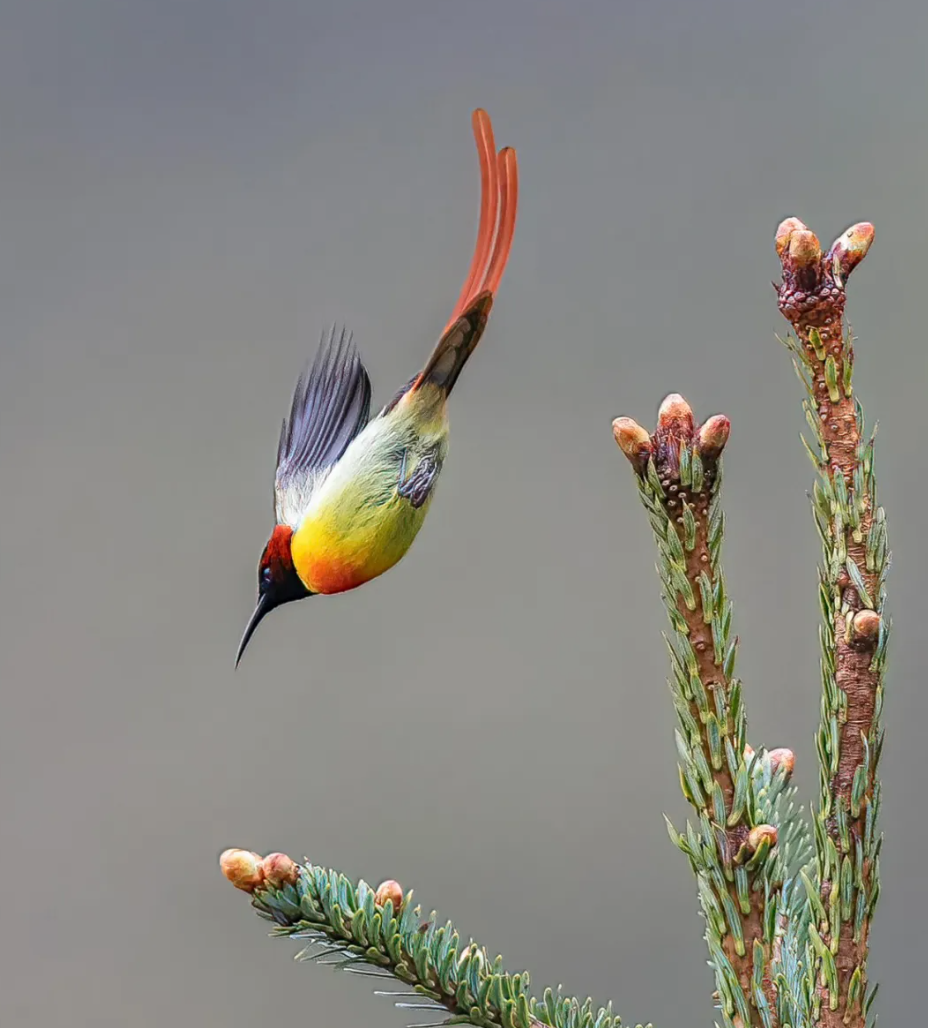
[190,192]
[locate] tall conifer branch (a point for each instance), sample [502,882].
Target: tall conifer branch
[732,847]
[854,631]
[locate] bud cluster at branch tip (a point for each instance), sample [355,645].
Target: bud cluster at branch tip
[676,426]
[249,871]
[813,282]
[252,873]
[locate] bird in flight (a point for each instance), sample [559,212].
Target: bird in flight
[351,492]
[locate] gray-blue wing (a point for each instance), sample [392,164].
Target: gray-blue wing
[331,404]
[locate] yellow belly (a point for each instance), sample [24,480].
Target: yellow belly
[333,553]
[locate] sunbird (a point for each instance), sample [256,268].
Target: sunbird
[351,492]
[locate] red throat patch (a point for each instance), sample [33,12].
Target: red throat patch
[277,555]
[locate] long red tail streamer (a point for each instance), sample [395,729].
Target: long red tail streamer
[499,194]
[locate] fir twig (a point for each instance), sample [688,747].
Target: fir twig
[854,631]
[732,848]
[379,934]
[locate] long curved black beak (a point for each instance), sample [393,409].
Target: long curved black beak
[261,608]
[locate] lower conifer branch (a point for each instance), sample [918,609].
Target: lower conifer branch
[733,847]
[854,632]
[379,934]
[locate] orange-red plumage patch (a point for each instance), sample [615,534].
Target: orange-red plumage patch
[277,555]
[329,575]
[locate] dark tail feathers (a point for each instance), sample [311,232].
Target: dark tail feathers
[456,345]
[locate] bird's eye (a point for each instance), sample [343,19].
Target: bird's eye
[264,579]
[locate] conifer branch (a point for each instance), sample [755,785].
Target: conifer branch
[733,849]
[379,934]
[854,631]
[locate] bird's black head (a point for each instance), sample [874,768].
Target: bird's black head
[278,582]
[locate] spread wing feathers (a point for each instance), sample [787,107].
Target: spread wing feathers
[331,404]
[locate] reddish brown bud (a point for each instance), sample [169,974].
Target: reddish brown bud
[279,870]
[864,629]
[804,251]
[675,415]
[757,844]
[242,868]
[784,230]
[633,440]
[389,890]
[850,248]
[713,435]
[782,759]
[759,834]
